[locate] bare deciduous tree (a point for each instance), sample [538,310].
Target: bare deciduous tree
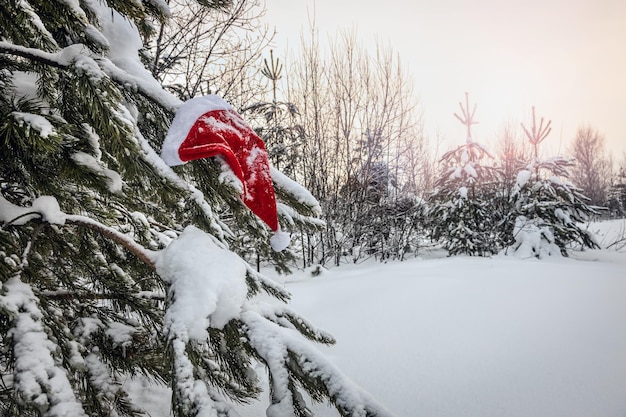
[512,153]
[364,142]
[592,172]
[211,51]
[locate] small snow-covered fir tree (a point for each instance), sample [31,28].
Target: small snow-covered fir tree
[460,215]
[548,210]
[114,265]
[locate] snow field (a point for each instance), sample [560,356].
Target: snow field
[478,337]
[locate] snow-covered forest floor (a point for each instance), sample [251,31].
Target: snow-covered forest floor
[474,337]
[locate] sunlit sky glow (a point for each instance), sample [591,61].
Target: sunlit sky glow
[565,57]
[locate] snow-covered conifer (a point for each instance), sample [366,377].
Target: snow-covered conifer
[549,211]
[460,215]
[114,265]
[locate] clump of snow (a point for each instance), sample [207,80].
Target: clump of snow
[86,326]
[96,36]
[162,4]
[186,116]
[556,180]
[470,170]
[123,38]
[79,55]
[522,179]
[207,284]
[35,122]
[563,215]
[114,180]
[463,192]
[78,12]
[125,43]
[533,240]
[301,194]
[99,376]
[45,207]
[121,334]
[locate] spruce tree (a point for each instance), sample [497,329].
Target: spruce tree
[460,215]
[112,264]
[549,211]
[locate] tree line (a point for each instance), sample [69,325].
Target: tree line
[343,120]
[353,134]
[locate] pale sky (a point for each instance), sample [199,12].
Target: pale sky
[565,57]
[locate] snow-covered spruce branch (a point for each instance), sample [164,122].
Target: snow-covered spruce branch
[32,54]
[38,377]
[63,58]
[295,190]
[143,254]
[257,281]
[287,318]
[84,296]
[153,92]
[292,360]
[292,216]
[24,216]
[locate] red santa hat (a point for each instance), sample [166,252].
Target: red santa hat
[208,126]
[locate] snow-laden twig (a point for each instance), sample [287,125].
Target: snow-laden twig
[257,281]
[97,66]
[37,376]
[44,207]
[293,216]
[291,187]
[288,355]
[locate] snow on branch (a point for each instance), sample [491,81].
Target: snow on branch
[288,355]
[37,377]
[291,187]
[207,285]
[47,208]
[257,281]
[292,216]
[97,68]
[207,289]
[42,57]
[44,207]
